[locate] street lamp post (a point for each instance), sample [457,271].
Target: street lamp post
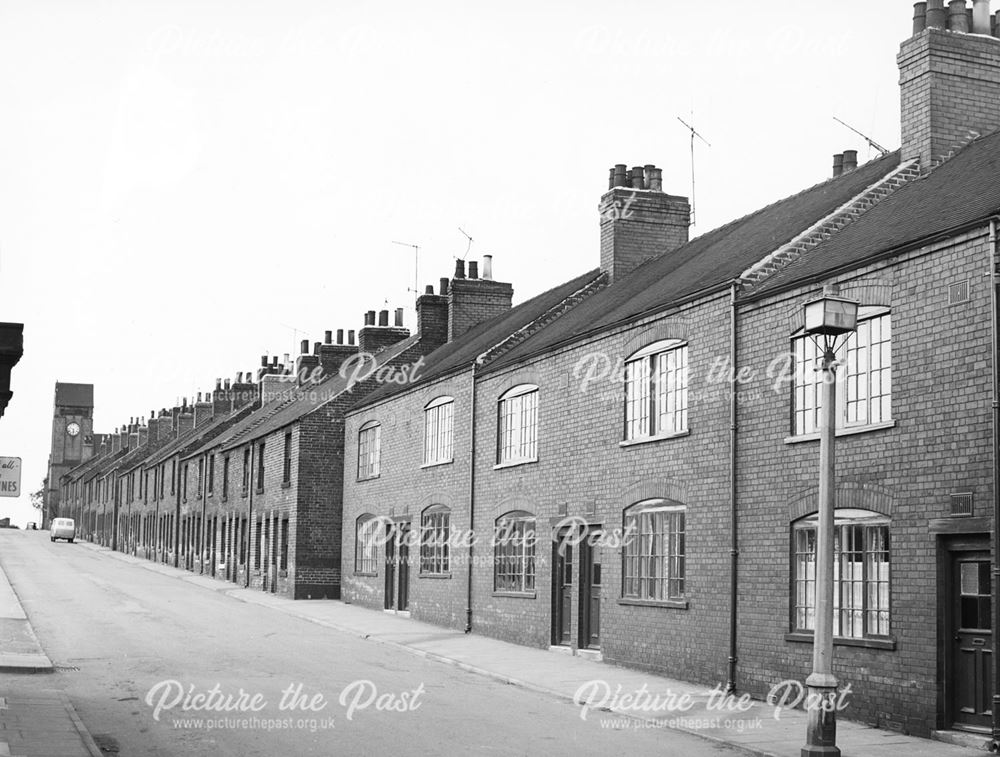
[828,317]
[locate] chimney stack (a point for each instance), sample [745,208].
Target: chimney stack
[639,221]
[306,364]
[432,317]
[203,410]
[949,81]
[373,339]
[473,300]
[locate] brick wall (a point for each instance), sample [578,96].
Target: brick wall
[472,301]
[637,225]
[939,443]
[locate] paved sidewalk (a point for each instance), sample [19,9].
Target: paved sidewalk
[33,723]
[759,729]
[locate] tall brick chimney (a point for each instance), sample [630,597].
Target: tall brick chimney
[949,84]
[203,410]
[639,220]
[243,391]
[373,339]
[432,316]
[473,300]
[305,363]
[332,356]
[222,401]
[116,442]
[185,421]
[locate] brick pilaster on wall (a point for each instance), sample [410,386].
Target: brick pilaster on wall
[949,92]
[637,225]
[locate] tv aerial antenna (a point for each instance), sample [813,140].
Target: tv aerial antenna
[468,247]
[694,134]
[416,266]
[871,142]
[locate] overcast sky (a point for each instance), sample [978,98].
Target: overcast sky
[185,186]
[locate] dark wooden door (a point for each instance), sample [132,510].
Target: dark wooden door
[403,551]
[590,592]
[562,591]
[971,640]
[390,566]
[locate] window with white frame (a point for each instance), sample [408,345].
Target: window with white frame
[517,425]
[369,450]
[435,532]
[861,574]
[864,380]
[366,544]
[438,420]
[654,551]
[656,390]
[514,553]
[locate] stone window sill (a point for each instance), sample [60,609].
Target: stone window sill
[843,641]
[368,478]
[515,594]
[675,604]
[286,484]
[515,463]
[847,431]
[657,438]
[436,463]
[365,575]
[435,575]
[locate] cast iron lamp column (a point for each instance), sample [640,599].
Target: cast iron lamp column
[828,316]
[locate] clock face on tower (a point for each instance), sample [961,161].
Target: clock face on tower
[73,429]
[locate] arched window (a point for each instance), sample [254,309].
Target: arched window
[369,450]
[514,548]
[517,425]
[861,574]
[654,551]
[365,544]
[438,420]
[656,396]
[435,533]
[864,383]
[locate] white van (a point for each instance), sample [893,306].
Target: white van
[62,528]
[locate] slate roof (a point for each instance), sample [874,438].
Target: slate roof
[199,435]
[286,410]
[706,262]
[960,191]
[461,352]
[74,395]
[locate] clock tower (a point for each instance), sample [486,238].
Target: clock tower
[72,438]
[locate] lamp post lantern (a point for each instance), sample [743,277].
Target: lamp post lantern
[827,317]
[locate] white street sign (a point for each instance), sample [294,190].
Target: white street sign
[10,476]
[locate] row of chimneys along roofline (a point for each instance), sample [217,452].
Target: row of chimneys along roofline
[958,17]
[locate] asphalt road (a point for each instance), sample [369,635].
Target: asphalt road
[117,632]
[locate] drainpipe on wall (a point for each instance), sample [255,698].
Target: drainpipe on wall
[246,566]
[472,496]
[734,553]
[995,319]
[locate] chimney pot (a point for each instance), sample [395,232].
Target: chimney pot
[611,177]
[263,361]
[636,177]
[459,269]
[371,317]
[350,337]
[328,336]
[274,361]
[399,317]
[919,17]
[838,164]
[473,269]
[225,384]
[303,348]
[957,17]
[239,377]
[316,346]
[340,336]
[621,175]
[218,383]
[850,160]
[936,14]
[383,318]
[981,16]
[443,287]
[429,289]
[647,174]
[488,267]
[656,182]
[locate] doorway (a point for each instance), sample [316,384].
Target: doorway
[969,640]
[397,566]
[562,589]
[590,590]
